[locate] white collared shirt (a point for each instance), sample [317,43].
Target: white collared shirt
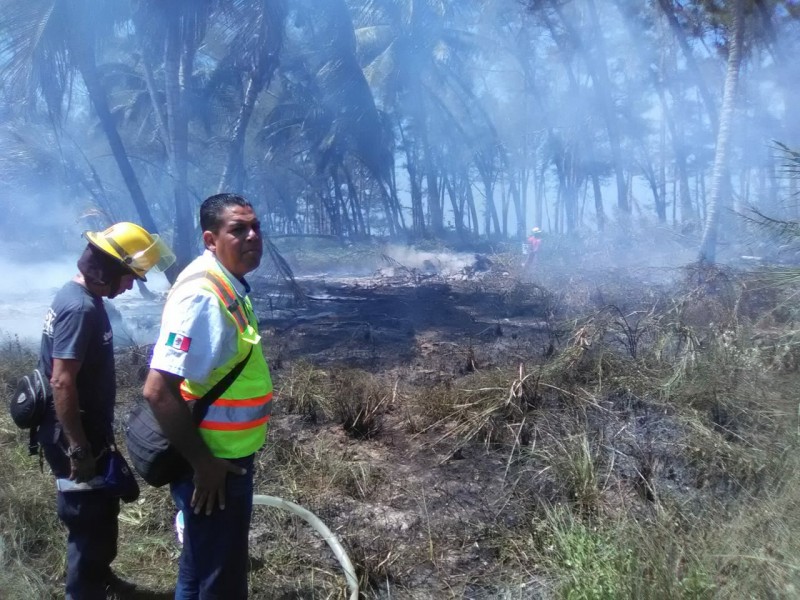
[196,334]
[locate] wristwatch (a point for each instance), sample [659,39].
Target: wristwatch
[78,453]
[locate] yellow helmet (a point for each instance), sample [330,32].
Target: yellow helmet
[132,245]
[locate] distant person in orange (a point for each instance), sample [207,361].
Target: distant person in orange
[534,241]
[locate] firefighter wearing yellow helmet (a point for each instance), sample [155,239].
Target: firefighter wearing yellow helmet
[76,433]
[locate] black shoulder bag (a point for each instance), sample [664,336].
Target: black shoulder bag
[154,458]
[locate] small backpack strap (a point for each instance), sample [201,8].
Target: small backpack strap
[40,386]
[33,445]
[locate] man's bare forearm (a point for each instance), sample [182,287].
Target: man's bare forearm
[162,391]
[65,402]
[68,414]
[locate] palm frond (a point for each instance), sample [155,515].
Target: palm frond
[35,50]
[120,76]
[284,271]
[791,159]
[372,40]
[381,70]
[788,231]
[780,277]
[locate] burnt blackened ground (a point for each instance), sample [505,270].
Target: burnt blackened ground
[384,323]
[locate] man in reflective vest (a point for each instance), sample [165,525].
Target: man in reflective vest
[208,327]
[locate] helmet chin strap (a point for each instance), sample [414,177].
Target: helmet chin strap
[100,269]
[114,285]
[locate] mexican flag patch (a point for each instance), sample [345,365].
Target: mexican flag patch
[179,342]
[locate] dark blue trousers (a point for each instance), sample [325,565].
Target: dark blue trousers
[214,559]
[91,521]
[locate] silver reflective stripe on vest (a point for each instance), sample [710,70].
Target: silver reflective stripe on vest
[238,414]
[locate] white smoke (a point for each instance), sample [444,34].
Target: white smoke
[29,289]
[443,263]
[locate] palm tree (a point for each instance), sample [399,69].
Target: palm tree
[708,246]
[595,56]
[255,53]
[45,42]
[414,54]
[325,114]
[175,28]
[668,8]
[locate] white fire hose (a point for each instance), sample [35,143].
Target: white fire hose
[311,519]
[322,530]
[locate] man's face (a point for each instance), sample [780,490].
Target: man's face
[237,244]
[125,283]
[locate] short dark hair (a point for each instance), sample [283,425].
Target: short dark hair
[212,208]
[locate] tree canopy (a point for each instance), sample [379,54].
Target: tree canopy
[357,118]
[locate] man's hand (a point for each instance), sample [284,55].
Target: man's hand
[210,476]
[82,468]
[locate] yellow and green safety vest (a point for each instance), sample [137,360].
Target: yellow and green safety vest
[236,423]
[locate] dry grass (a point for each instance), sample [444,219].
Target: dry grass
[28,524]
[29,530]
[354,398]
[487,407]
[304,391]
[360,402]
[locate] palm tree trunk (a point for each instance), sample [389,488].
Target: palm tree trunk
[458,213]
[678,144]
[414,180]
[519,206]
[339,216]
[233,175]
[470,198]
[668,9]
[598,202]
[491,206]
[176,64]
[434,207]
[232,178]
[395,214]
[355,204]
[708,246]
[98,98]
[599,68]
[539,196]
